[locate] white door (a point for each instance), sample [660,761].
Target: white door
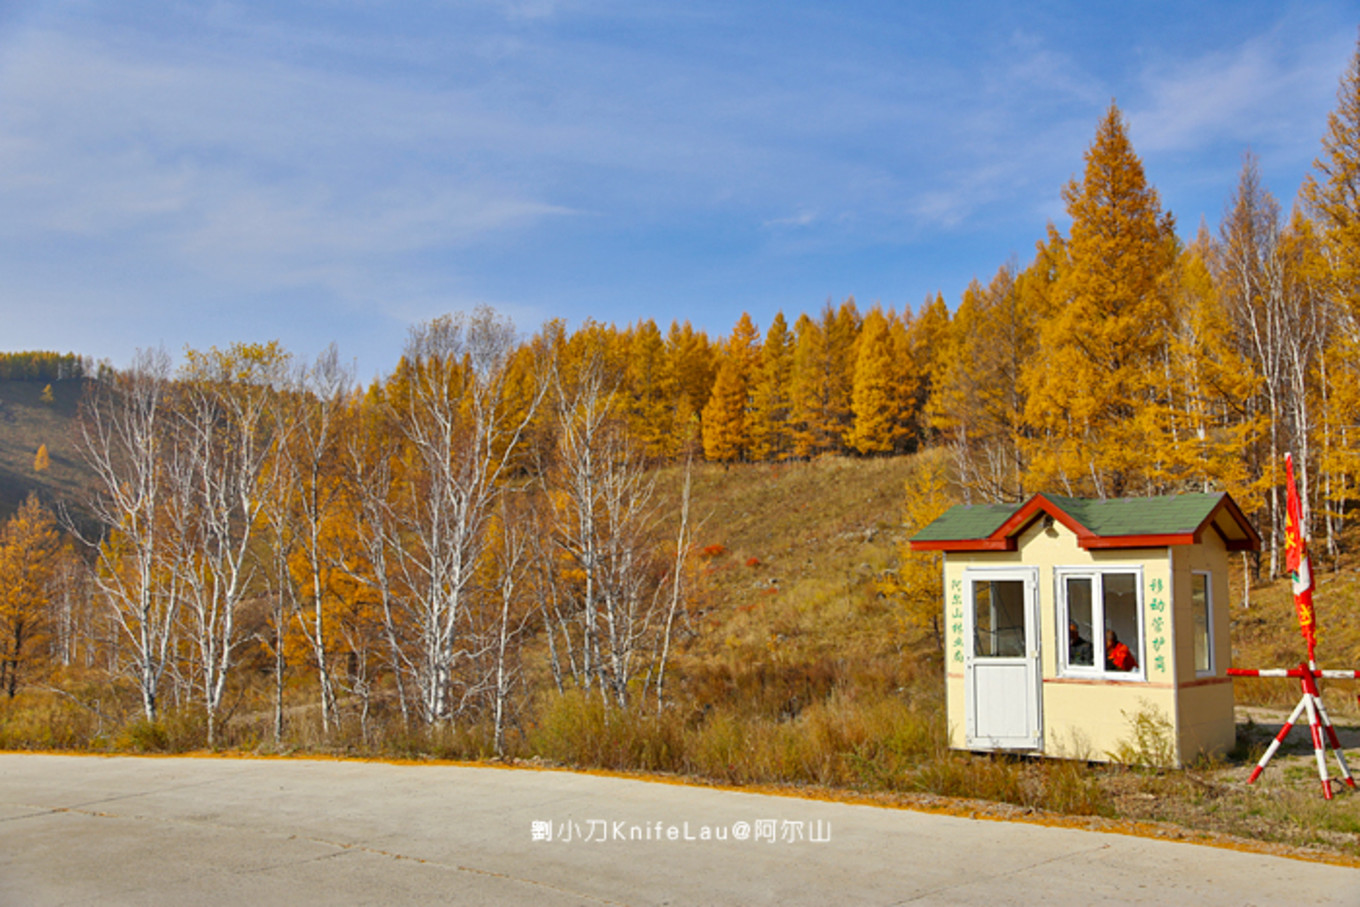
[1001,670]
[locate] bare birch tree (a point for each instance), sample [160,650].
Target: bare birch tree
[313,455]
[505,615]
[120,436]
[278,518]
[448,404]
[221,446]
[369,450]
[605,519]
[682,546]
[1248,273]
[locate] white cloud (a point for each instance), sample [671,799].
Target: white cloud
[244,172]
[804,218]
[1029,73]
[526,151]
[1262,92]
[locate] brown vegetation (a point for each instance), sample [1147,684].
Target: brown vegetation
[506,547]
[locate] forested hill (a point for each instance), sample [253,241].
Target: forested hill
[39,397]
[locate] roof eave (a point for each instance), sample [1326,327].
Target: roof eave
[1159,540]
[1030,511]
[987,544]
[1226,504]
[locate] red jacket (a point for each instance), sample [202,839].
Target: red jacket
[1119,658]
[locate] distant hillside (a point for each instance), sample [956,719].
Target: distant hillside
[788,600]
[27,422]
[800,534]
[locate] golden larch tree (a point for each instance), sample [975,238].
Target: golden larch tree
[771,437]
[842,333]
[822,378]
[930,333]
[691,361]
[881,391]
[652,390]
[726,417]
[28,559]
[1094,382]
[807,389]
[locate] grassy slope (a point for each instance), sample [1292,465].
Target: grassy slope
[806,621]
[26,423]
[788,607]
[804,544]
[798,668]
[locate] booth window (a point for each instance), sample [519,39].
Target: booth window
[998,618]
[1101,614]
[1202,610]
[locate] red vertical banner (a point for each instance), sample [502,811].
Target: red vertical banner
[1296,559]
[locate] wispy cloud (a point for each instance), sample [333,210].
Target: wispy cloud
[803,218]
[1261,92]
[244,171]
[332,163]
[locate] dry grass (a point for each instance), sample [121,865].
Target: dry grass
[46,721]
[1266,635]
[794,670]
[881,744]
[26,422]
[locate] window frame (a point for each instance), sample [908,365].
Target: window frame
[1212,670]
[1026,594]
[1096,575]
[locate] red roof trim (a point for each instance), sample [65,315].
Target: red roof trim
[987,544]
[1086,539]
[1139,541]
[1027,514]
[1253,540]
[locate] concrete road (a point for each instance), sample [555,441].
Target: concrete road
[175,831]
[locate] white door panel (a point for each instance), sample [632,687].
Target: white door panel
[1001,676]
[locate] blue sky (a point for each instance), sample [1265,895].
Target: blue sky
[202,173]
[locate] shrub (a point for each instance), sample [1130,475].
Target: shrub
[142,735]
[578,729]
[41,721]
[1153,741]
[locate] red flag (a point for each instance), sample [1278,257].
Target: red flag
[1296,559]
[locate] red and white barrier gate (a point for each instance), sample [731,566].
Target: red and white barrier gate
[1318,721]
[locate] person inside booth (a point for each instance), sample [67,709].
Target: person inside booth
[1079,651]
[1117,655]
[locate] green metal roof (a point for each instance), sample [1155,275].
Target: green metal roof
[1140,516]
[1134,522]
[967,521]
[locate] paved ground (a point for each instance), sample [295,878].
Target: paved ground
[111,831]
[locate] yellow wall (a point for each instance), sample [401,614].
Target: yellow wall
[1206,703]
[1206,719]
[1087,718]
[1091,719]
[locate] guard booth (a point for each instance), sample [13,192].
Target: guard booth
[1068,618]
